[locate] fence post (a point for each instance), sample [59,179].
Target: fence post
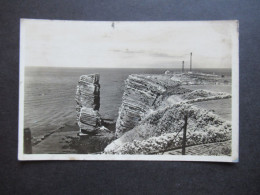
[184,134]
[27,141]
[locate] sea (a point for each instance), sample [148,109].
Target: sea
[49,94]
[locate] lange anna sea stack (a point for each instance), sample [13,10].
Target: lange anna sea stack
[88,103]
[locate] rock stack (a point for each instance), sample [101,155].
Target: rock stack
[142,92]
[88,103]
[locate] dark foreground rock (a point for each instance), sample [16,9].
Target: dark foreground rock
[66,140]
[89,144]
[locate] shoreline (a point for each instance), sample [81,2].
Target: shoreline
[67,134]
[67,137]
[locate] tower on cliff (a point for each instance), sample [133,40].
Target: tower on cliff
[190,61]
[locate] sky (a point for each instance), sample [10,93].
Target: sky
[57,43]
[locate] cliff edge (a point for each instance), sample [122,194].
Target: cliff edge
[151,117]
[142,93]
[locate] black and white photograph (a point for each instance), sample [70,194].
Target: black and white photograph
[115,90]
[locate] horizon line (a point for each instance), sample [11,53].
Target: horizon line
[119,67]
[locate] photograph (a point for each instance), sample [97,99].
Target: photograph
[129,90]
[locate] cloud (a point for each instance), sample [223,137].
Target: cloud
[138,44]
[151,53]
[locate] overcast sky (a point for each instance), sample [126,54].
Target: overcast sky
[127,44]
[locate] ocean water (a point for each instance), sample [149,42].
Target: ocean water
[49,95]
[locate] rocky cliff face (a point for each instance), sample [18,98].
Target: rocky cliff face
[88,103]
[142,94]
[151,117]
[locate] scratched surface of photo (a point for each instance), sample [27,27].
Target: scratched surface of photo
[128,90]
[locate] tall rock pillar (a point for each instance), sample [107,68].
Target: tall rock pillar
[88,103]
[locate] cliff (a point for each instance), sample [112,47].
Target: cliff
[151,117]
[142,93]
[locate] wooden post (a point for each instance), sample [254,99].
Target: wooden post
[184,134]
[27,149]
[182,67]
[190,61]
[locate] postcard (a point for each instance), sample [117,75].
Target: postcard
[114,90]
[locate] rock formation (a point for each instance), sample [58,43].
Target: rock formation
[88,103]
[142,93]
[151,116]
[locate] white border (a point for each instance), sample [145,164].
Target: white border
[235,94]
[235,119]
[21,93]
